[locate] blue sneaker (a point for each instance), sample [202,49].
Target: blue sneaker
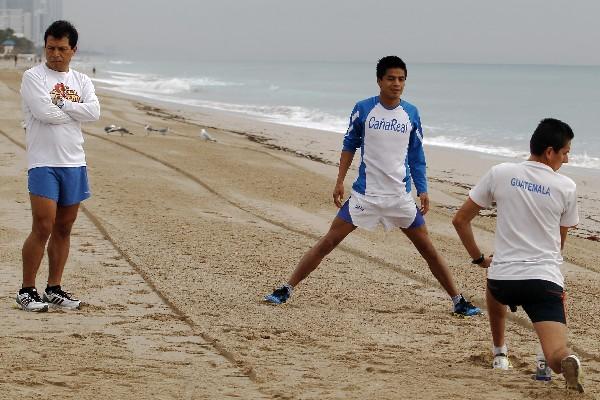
[279,295]
[465,308]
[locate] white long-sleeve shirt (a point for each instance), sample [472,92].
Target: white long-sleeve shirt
[54,137]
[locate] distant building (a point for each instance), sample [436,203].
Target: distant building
[8,46]
[30,18]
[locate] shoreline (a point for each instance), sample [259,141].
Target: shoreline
[480,130]
[248,121]
[445,166]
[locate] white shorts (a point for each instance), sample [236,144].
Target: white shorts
[392,212]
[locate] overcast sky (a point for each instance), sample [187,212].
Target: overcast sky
[466,31]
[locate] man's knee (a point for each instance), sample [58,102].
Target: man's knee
[420,238]
[65,218]
[42,228]
[63,227]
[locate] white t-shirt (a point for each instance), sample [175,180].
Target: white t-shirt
[54,137]
[533,203]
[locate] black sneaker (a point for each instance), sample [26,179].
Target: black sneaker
[279,295]
[28,299]
[57,297]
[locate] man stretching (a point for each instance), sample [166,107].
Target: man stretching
[388,132]
[536,207]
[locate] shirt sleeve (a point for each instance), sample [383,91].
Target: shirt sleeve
[354,135]
[88,109]
[37,99]
[416,156]
[482,194]
[570,216]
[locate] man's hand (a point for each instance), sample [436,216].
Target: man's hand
[58,101]
[487,261]
[338,194]
[424,203]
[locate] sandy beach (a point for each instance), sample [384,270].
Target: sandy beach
[183,237]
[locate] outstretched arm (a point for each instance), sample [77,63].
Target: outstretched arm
[338,191]
[353,139]
[417,164]
[462,224]
[416,161]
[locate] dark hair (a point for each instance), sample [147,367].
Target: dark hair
[550,133]
[60,29]
[388,62]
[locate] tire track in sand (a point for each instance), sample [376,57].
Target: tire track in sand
[523,322]
[238,369]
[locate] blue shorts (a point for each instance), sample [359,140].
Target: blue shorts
[394,212]
[65,185]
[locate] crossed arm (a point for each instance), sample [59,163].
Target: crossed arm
[43,108]
[88,109]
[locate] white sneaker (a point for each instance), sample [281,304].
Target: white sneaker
[56,297]
[571,370]
[30,301]
[501,361]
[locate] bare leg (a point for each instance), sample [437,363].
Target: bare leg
[60,240]
[497,316]
[310,261]
[553,337]
[437,265]
[43,211]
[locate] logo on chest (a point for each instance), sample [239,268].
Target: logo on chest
[392,125]
[61,90]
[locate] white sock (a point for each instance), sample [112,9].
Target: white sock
[500,350]
[456,299]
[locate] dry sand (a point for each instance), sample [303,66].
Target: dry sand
[183,237]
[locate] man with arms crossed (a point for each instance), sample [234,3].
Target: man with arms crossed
[536,207]
[388,132]
[56,100]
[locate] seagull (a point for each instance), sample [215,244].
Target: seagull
[149,129]
[205,136]
[114,128]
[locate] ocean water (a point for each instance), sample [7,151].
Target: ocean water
[486,108]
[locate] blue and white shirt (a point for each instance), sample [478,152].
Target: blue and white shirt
[391,148]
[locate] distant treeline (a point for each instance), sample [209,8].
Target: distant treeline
[22,45]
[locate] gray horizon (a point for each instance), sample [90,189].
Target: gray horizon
[435,31]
